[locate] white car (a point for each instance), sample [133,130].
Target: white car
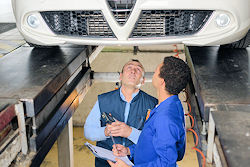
[134,22]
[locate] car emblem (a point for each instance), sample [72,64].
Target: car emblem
[121,9]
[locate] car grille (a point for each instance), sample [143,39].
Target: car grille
[163,23]
[121,9]
[78,23]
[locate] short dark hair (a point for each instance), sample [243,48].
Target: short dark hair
[175,73]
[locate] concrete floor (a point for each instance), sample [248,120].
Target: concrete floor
[111,59]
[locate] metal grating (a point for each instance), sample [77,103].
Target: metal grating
[121,9]
[78,23]
[162,23]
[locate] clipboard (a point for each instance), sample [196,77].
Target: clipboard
[105,154]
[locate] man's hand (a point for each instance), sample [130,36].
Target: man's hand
[120,150]
[119,163]
[118,128]
[107,130]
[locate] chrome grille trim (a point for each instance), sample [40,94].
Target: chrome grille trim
[121,9]
[78,23]
[164,23]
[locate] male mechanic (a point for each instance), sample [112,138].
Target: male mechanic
[162,140]
[128,105]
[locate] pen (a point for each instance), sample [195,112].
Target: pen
[113,141]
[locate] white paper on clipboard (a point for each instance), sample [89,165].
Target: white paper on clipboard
[106,154]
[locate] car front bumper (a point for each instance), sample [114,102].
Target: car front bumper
[209,34]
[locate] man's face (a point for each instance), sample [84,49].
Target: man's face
[156,81]
[132,74]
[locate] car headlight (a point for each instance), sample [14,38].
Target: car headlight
[33,21]
[222,20]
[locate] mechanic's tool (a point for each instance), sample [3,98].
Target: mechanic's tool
[109,119]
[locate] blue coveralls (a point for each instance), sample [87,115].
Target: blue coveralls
[162,140]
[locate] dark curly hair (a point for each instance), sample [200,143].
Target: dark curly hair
[175,73]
